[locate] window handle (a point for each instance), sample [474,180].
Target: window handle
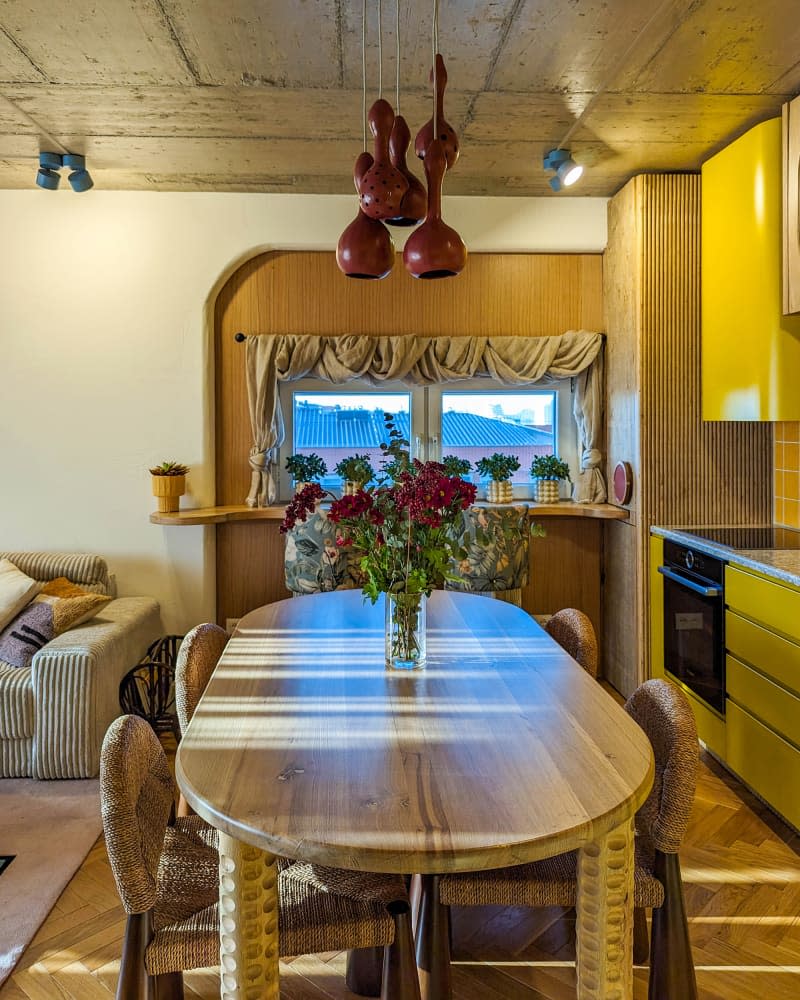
[435,453]
[417,447]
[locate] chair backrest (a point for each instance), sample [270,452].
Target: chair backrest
[573,631]
[313,562]
[663,712]
[137,793]
[497,544]
[197,657]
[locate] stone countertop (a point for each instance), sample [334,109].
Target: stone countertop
[780,564]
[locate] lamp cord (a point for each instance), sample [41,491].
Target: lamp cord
[380,49]
[364,73]
[397,56]
[435,48]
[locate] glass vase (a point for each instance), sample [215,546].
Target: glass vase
[405,631]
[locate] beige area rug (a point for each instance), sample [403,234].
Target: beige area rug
[50,826]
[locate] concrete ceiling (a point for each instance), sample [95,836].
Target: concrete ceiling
[265,95]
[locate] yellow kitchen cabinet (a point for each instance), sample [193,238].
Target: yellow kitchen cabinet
[750,350]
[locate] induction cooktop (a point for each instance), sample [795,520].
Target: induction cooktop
[769,536]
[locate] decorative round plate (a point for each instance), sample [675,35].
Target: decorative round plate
[623,482]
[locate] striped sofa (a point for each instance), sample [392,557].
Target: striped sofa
[54,714]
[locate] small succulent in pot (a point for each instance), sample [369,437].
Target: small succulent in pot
[548,471]
[356,471]
[499,468]
[455,466]
[306,469]
[169,485]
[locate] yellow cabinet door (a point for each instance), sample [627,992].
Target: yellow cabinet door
[750,351]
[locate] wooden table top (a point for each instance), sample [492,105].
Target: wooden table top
[502,750]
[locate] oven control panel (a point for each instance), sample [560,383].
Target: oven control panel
[691,560]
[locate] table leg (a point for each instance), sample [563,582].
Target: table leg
[605,917]
[248,913]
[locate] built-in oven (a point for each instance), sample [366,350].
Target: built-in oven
[694,621]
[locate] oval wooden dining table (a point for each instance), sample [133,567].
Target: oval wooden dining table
[501,751]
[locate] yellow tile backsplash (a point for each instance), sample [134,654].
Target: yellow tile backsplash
[787,473]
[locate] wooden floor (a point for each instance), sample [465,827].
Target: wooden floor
[741,871]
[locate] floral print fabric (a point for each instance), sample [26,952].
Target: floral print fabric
[497,540]
[313,562]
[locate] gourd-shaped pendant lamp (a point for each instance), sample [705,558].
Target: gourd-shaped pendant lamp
[365,249]
[436,127]
[383,186]
[435,250]
[415,200]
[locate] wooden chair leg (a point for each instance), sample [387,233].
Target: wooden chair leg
[169,986]
[433,943]
[400,980]
[671,965]
[134,983]
[641,938]
[365,971]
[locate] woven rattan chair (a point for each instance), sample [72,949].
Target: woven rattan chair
[663,712]
[573,631]
[167,878]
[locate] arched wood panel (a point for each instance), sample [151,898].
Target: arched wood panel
[525,295]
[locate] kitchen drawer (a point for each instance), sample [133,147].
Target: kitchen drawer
[764,761]
[773,605]
[770,703]
[768,652]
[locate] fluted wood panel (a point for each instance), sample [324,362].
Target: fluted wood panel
[533,295]
[690,472]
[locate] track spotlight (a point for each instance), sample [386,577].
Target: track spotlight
[566,169]
[80,179]
[47,175]
[49,165]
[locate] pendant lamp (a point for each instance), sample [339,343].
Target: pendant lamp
[437,127]
[365,249]
[415,200]
[435,250]
[383,186]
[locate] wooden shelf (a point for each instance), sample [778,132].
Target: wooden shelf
[241,512]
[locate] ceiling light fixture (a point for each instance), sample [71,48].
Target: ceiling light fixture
[48,176]
[567,171]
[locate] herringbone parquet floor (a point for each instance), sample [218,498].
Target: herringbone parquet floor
[741,871]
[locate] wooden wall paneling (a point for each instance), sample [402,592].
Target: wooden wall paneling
[691,472]
[498,294]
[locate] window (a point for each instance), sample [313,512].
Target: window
[469,419]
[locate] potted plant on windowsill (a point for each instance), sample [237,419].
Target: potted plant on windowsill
[499,468]
[305,469]
[169,485]
[455,466]
[548,471]
[356,471]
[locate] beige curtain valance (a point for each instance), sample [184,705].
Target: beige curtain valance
[273,358]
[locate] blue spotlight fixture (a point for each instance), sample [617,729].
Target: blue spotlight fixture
[47,175]
[566,169]
[49,165]
[80,178]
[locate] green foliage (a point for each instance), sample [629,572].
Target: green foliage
[396,455]
[169,469]
[549,467]
[306,468]
[498,467]
[455,466]
[355,469]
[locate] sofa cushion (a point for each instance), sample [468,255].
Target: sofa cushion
[16,590]
[16,702]
[90,571]
[61,605]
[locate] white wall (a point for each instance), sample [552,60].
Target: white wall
[105,366]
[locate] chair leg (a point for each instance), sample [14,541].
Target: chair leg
[641,938]
[671,965]
[134,982]
[364,971]
[169,986]
[400,980]
[433,943]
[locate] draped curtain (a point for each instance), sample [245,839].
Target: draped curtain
[273,358]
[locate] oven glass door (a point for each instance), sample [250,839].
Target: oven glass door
[694,645]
